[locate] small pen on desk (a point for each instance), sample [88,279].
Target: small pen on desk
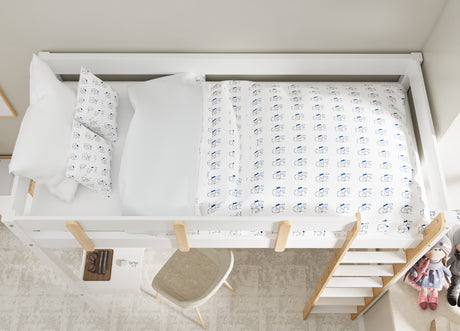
[99,268]
[105,262]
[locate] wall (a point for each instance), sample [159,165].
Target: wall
[200,26]
[442,75]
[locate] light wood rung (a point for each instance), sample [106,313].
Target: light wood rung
[31,189]
[181,236]
[80,235]
[355,282]
[282,236]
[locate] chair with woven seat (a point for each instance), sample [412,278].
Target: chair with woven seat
[189,279]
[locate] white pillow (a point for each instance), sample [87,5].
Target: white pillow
[89,161]
[42,145]
[160,159]
[96,105]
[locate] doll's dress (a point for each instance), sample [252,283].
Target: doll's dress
[435,278]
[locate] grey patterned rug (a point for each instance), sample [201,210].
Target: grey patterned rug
[271,291]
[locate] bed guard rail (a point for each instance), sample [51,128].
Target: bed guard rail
[196,231]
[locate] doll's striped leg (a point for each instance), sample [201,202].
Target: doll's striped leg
[433,302]
[422,299]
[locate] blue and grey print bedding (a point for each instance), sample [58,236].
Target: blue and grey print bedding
[299,149]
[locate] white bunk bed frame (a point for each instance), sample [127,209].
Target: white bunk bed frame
[130,235]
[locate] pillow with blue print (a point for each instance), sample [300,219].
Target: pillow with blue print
[89,159]
[96,105]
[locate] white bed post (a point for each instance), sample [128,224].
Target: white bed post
[55,263]
[435,173]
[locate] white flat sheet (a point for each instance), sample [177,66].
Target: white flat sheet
[311,149]
[86,201]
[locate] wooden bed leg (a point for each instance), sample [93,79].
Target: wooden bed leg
[80,235]
[283,235]
[181,236]
[336,258]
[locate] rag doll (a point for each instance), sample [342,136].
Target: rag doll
[429,273]
[454,289]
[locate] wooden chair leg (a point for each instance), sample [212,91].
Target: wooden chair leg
[201,318]
[229,286]
[150,293]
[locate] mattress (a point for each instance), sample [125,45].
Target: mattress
[241,144]
[311,149]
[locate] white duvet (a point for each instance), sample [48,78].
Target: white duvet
[310,149]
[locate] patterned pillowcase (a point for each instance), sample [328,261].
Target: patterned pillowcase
[96,105]
[89,161]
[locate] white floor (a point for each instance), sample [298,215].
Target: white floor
[271,291]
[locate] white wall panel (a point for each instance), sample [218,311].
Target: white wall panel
[442,74]
[200,26]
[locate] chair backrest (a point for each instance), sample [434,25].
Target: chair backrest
[223,258]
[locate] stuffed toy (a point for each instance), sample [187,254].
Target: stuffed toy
[429,273]
[454,289]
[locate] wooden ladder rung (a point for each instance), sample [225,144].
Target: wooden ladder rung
[352,292]
[334,310]
[388,257]
[364,270]
[340,301]
[355,282]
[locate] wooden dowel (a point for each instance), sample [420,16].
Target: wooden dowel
[31,187]
[229,286]
[201,318]
[80,235]
[282,237]
[181,236]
